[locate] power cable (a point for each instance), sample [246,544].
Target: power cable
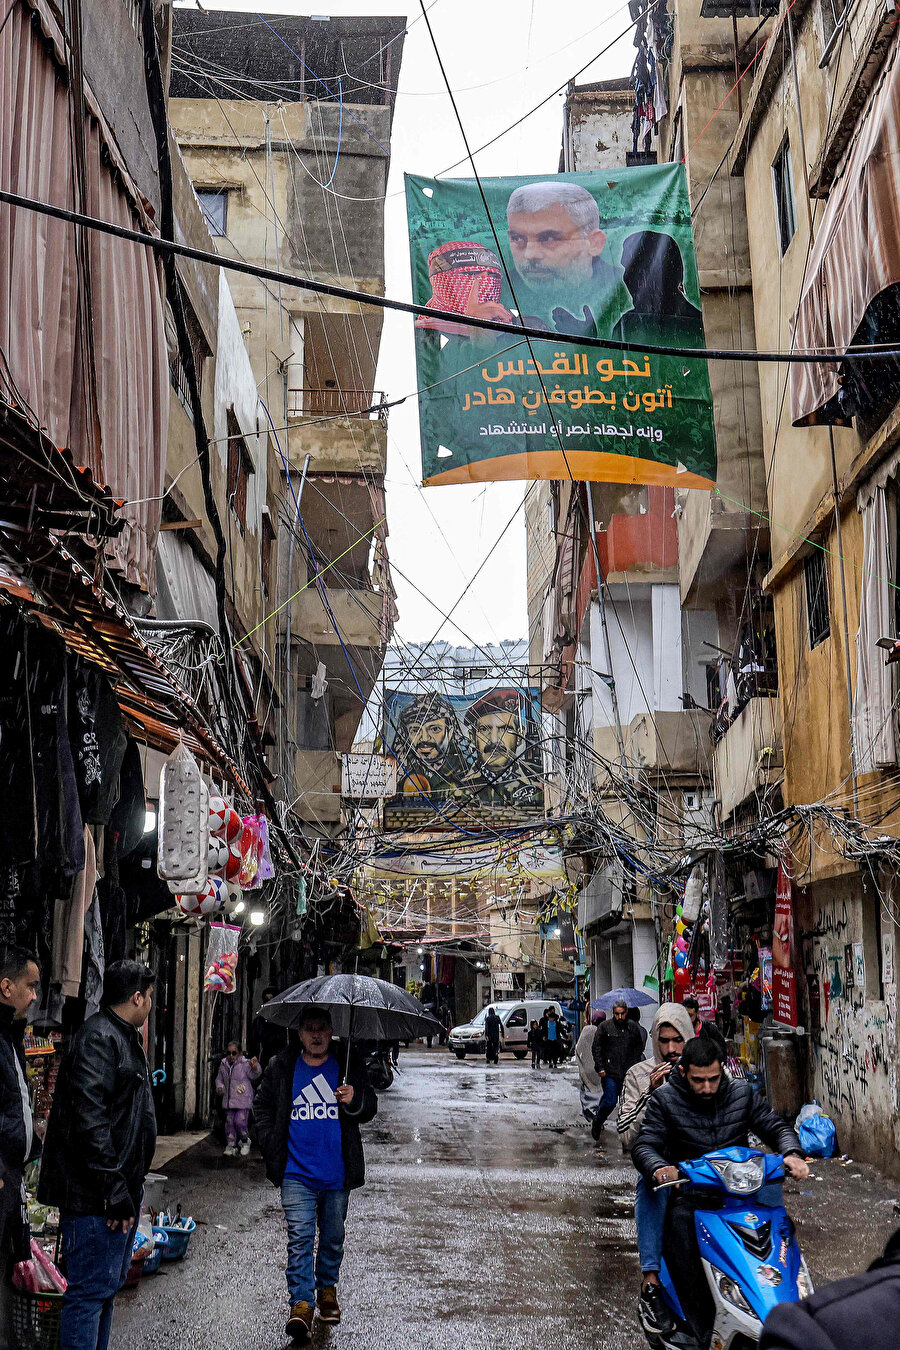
[544,101]
[810,356]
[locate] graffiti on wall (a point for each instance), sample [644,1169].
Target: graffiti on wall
[854,1037]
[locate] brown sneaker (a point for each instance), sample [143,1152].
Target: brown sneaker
[329,1310]
[299,1324]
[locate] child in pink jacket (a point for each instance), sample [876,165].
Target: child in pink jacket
[234,1084]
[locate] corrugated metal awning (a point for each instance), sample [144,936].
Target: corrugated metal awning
[48,580]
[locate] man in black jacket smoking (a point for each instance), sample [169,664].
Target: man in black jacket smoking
[99,1146]
[699,1111]
[308,1110]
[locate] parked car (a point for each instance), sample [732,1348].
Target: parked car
[516,1016]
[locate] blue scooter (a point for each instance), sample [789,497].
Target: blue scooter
[748,1246]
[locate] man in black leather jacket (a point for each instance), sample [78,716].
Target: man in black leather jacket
[19,982]
[99,1146]
[699,1110]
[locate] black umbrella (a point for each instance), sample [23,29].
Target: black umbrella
[359,1005]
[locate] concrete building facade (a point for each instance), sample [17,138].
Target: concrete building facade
[286,137]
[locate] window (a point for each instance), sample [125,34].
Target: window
[266,542]
[783,187]
[201,350]
[240,467]
[815,572]
[214,205]
[833,14]
[519,1018]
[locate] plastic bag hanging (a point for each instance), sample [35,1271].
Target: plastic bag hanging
[251,853]
[196,885]
[183,818]
[222,958]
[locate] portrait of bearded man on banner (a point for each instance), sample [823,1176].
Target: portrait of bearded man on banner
[557,249]
[497,724]
[429,746]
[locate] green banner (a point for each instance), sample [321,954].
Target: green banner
[607,254]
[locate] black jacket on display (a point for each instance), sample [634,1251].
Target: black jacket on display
[617,1046]
[272,1116]
[102,1131]
[680,1125]
[863,1311]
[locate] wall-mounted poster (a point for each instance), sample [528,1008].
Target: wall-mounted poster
[464,757]
[604,255]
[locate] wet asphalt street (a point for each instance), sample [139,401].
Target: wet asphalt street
[489,1221]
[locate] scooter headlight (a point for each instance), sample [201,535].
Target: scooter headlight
[731,1292]
[804,1282]
[741,1178]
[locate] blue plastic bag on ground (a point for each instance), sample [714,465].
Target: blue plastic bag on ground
[816,1132]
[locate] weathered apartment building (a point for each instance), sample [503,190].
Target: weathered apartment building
[284,127]
[793,187]
[141,542]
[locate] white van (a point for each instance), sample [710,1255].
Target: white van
[516,1015]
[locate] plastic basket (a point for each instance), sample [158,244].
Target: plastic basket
[177,1244]
[160,1242]
[34,1320]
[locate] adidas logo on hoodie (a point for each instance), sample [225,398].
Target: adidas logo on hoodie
[316,1102]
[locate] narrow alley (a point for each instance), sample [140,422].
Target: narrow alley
[489,1219]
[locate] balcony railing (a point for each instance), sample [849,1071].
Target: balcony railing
[336,403]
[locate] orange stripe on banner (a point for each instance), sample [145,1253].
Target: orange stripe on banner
[584,466]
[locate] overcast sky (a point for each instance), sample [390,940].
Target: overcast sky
[502,57]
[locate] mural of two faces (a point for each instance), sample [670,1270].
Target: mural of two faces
[464,757]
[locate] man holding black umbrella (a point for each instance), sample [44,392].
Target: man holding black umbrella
[307,1126]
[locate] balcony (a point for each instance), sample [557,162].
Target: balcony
[318,772]
[357,614]
[602,900]
[335,402]
[748,757]
[669,742]
[342,430]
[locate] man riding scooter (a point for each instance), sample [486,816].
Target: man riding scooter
[699,1111]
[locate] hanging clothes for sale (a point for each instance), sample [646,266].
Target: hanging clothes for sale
[60,828]
[98,739]
[18,807]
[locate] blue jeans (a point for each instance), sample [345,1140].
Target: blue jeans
[303,1209]
[97,1261]
[650,1217]
[607,1101]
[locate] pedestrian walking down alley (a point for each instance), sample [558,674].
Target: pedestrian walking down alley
[489,1220]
